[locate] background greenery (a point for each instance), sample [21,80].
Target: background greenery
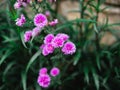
[92,67]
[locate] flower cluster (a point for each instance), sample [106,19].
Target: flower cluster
[44,78]
[20,21]
[52,42]
[19,3]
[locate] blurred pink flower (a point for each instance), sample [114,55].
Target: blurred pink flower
[17,5]
[44,80]
[43,71]
[36,31]
[54,71]
[48,38]
[48,48]
[54,22]
[69,48]
[20,21]
[57,42]
[40,20]
[27,36]
[65,37]
[47,13]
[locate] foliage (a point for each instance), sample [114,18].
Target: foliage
[92,67]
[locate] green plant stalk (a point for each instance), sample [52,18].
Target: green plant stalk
[81,16]
[97,33]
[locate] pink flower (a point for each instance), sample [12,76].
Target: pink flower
[47,13]
[69,48]
[52,1]
[40,20]
[44,80]
[42,46]
[17,5]
[20,21]
[53,23]
[27,36]
[45,52]
[43,71]
[57,42]
[54,71]
[48,48]
[24,2]
[65,37]
[48,38]
[36,31]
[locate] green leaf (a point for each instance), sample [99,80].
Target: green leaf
[95,77]
[86,72]
[98,62]
[34,57]
[6,55]
[22,39]
[77,58]
[24,78]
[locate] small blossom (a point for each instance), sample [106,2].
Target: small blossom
[47,13]
[48,38]
[54,71]
[69,48]
[44,51]
[48,48]
[20,21]
[42,46]
[40,20]
[27,36]
[65,37]
[24,2]
[43,71]
[17,5]
[44,80]
[57,42]
[52,1]
[36,31]
[53,23]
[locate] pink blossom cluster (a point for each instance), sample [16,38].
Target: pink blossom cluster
[52,42]
[20,21]
[19,3]
[32,33]
[44,78]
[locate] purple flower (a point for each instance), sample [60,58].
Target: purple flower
[42,46]
[53,23]
[48,48]
[24,2]
[44,52]
[54,71]
[43,71]
[27,36]
[17,5]
[69,48]
[65,37]
[48,38]
[20,21]
[47,13]
[44,80]
[57,42]
[36,31]
[40,20]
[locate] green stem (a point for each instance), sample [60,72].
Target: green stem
[96,33]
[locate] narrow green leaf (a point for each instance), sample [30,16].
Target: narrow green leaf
[34,57]
[95,77]
[77,58]
[98,62]
[22,39]
[86,73]
[24,79]
[6,55]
